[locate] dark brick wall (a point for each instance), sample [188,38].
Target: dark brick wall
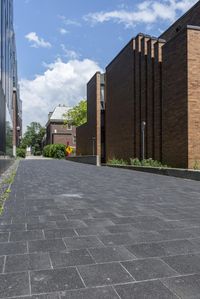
[157,97]
[90,133]
[120,105]
[192,17]
[174,105]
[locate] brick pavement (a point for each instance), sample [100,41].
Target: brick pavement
[74,231]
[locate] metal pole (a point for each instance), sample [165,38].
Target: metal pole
[143,139]
[93,145]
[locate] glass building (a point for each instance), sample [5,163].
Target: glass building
[10,104]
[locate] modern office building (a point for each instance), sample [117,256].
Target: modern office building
[10,103]
[56,131]
[91,135]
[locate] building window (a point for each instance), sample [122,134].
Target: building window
[69,127]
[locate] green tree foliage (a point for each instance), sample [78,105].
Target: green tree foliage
[77,116]
[33,137]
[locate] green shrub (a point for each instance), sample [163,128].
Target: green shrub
[117,162]
[21,152]
[56,151]
[147,163]
[196,165]
[37,153]
[46,151]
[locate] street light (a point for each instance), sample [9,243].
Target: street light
[93,145]
[143,126]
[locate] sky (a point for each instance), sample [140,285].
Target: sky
[62,43]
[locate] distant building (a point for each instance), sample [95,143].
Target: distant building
[10,103]
[56,131]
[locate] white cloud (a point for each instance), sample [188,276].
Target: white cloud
[61,83]
[71,54]
[63,31]
[147,12]
[36,41]
[69,22]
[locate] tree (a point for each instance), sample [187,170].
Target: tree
[33,137]
[77,116]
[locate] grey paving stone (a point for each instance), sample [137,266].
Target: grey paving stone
[104,274]
[4,237]
[147,250]
[43,296]
[111,254]
[148,269]
[92,293]
[46,245]
[82,242]
[12,227]
[144,290]
[71,224]
[59,233]
[13,248]
[98,222]
[179,247]
[184,264]
[26,235]
[185,287]
[55,280]
[15,284]
[1,263]
[116,229]
[176,234]
[71,258]
[89,231]
[27,219]
[25,262]
[46,218]
[116,239]
[43,225]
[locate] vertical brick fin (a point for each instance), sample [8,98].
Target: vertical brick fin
[175,102]
[98,115]
[143,103]
[120,104]
[150,98]
[138,94]
[193,39]
[133,105]
[91,129]
[157,146]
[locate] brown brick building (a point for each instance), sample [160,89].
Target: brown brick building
[152,92]
[91,136]
[56,131]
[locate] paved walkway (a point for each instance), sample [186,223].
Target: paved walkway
[72,231]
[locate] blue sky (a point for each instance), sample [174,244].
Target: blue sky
[62,43]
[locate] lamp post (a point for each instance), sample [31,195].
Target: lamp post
[143,126]
[93,145]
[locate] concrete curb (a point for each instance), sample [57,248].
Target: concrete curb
[92,160]
[174,172]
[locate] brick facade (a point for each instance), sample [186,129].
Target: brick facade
[155,81]
[58,133]
[89,135]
